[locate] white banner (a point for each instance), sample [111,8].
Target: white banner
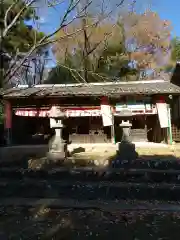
[162,109]
[107,116]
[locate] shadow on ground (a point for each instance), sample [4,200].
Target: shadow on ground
[44,223]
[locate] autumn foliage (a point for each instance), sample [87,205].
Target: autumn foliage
[149,37]
[108,47]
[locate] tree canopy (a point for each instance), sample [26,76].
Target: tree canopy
[175,53]
[91,44]
[96,54]
[21,36]
[110,50]
[148,39]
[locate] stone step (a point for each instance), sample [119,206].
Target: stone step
[57,203]
[95,174]
[89,190]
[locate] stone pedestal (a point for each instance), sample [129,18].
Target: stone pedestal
[57,146]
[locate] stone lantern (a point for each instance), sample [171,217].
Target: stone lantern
[126,149]
[126,128]
[57,146]
[125,124]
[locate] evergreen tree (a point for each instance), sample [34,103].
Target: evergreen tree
[21,37]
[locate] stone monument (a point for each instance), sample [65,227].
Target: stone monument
[57,146]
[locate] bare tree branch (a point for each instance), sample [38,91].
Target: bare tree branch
[7,13]
[6,30]
[73,71]
[70,8]
[43,41]
[47,39]
[55,4]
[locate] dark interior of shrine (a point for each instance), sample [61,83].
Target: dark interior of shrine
[36,130]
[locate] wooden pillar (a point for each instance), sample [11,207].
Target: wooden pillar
[170,126]
[8,122]
[113,129]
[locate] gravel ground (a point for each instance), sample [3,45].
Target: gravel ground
[44,223]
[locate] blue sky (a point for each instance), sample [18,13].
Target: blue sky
[169,9]
[50,18]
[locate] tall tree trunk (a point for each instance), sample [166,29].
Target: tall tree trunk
[85,51]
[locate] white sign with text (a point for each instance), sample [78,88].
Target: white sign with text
[162,109]
[107,116]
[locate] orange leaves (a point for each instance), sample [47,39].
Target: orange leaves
[150,34]
[98,36]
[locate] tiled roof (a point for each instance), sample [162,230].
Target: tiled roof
[99,89]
